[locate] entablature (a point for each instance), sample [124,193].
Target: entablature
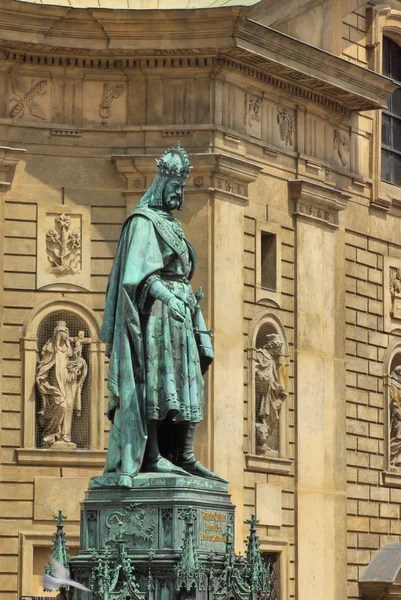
[115,39]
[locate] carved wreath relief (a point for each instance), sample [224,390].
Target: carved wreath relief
[25,98]
[63,247]
[60,376]
[270,395]
[342,146]
[285,122]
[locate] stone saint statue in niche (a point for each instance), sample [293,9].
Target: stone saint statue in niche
[270,395]
[395,417]
[60,376]
[156,338]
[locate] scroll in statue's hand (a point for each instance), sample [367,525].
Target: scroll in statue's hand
[176,308]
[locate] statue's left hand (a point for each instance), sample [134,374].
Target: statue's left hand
[176,308]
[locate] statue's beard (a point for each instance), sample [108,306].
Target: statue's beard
[173,202]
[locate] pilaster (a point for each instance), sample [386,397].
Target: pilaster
[9,158]
[217,188]
[320,391]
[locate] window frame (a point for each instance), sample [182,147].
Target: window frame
[262,293]
[389,112]
[382,21]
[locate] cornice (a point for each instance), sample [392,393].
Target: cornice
[317,203]
[9,158]
[222,37]
[218,173]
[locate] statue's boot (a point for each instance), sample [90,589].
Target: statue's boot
[186,453]
[153,462]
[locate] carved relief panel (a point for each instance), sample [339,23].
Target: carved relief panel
[104,102]
[29,98]
[63,248]
[392,293]
[341,146]
[253,115]
[286,125]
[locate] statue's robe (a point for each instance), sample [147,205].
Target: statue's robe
[155,369]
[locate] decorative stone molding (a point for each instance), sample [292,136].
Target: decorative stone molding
[61,458]
[317,203]
[29,354]
[271,152]
[63,248]
[67,132]
[268,464]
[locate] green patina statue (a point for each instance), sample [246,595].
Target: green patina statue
[156,337]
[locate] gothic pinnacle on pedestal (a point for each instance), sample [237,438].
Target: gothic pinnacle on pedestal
[60,549]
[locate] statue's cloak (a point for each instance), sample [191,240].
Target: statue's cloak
[146,244]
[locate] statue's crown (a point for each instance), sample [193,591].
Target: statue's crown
[174,162]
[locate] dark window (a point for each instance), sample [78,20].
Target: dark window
[268,261]
[391,118]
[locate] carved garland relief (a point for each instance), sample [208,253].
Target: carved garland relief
[286,124]
[63,247]
[63,253]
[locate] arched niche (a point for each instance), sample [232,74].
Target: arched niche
[36,331]
[392,405]
[267,389]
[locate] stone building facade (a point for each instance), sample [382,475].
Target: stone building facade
[294,207]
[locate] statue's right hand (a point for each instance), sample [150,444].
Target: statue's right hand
[176,309]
